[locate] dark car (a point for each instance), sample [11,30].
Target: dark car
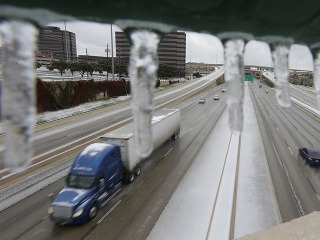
[310,156]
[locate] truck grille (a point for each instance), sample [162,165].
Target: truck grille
[62,212]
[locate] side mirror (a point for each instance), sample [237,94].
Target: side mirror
[51,197]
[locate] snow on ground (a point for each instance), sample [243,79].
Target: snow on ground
[257,206]
[190,213]
[86,107]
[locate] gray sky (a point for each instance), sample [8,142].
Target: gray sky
[201,47]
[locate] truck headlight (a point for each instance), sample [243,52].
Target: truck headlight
[78,213]
[50,210]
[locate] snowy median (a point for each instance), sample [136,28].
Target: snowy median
[203,201]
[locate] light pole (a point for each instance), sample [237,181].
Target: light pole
[107,50]
[112,53]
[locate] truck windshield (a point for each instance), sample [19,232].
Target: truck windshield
[80,181]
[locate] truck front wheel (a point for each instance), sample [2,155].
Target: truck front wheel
[93,211]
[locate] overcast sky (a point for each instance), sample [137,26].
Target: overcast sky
[201,47]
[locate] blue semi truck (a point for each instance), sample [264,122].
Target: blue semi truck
[98,171]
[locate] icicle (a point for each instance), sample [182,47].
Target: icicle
[18,64]
[281,70]
[316,78]
[142,70]
[234,76]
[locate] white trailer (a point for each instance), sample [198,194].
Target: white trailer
[165,125]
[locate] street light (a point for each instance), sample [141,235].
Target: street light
[107,50]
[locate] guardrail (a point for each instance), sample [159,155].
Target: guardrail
[306,107]
[60,154]
[222,220]
[298,102]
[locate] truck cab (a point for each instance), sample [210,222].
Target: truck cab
[95,175]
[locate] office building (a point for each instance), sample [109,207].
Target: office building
[62,44]
[171,51]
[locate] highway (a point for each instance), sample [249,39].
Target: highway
[80,129]
[305,95]
[284,131]
[132,213]
[131,218]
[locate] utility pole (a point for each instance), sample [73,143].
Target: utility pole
[112,53]
[107,61]
[65,36]
[87,61]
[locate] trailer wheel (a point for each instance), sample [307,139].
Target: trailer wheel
[131,177]
[174,137]
[138,170]
[93,211]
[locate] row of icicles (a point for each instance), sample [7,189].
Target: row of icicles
[18,114]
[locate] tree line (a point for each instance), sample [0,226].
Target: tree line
[83,67]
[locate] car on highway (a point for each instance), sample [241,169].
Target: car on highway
[310,156]
[216,97]
[202,100]
[223,90]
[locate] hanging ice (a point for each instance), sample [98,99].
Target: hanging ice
[18,63]
[234,76]
[142,70]
[281,70]
[317,77]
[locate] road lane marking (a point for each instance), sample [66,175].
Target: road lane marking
[74,133]
[290,150]
[104,216]
[168,152]
[296,199]
[118,117]
[191,129]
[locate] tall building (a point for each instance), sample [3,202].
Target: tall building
[171,51]
[61,43]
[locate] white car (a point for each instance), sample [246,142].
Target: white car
[216,97]
[223,90]
[202,100]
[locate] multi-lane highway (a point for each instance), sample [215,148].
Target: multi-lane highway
[284,131]
[132,213]
[131,216]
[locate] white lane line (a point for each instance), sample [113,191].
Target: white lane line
[191,129]
[74,133]
[120,116]
[296,199]
[168,152]
[278,129]
[290,150]
[318,196]
[104,216]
